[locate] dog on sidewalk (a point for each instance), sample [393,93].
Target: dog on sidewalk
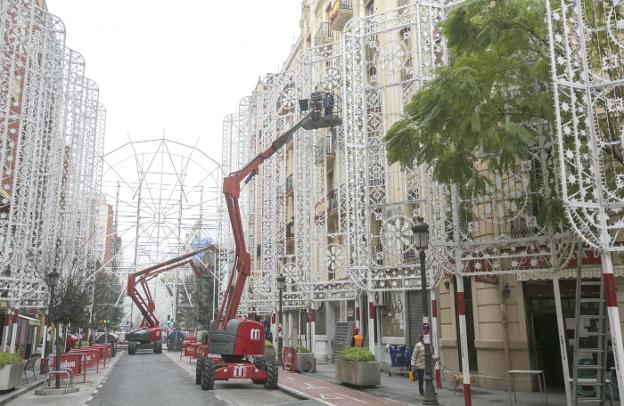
[457,380]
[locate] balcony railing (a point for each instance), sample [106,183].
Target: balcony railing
[326,147]
[341,11]
[290,230]
[324,35]
[289,184]
[332,197]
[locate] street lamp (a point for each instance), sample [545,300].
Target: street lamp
[421,234]
[53,278]
[281,285]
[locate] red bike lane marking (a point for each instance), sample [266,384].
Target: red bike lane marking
[331,394]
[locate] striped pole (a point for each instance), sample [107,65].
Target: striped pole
[5,333]
[371,323]
[44,336]
[461,312]
[14,329]
[614,318]
[434,338]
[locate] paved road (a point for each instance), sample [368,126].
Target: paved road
[151,380]
[148,379]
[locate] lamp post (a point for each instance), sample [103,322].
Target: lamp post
[53,278]
[421,234]
[281,285]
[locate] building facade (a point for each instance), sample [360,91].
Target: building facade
[334,217]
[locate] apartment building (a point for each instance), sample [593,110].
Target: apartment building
[332,216]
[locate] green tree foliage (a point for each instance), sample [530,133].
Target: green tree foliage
[489,105]
[107,289]
[71,301]
[201,293]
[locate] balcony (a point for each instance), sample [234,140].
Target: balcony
[290,230]
[325,147]
[340,12]
[289,184]
[324,35]
[332,197]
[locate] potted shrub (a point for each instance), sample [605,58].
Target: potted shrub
[357,366]
[11,370]
[269,351]
[305,359]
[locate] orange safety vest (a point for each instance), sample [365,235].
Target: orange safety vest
[359,340]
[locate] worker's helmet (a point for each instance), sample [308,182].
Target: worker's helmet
[356,330]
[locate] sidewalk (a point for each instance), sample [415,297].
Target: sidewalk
[23,387]
[94,381]
[398,390]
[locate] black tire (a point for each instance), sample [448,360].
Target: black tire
[158,347]
[198,370]
[272,375]
[208,374]
[131,348]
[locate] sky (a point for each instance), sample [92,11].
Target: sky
[177,66]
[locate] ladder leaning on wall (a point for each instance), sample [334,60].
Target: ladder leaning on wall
[590,383]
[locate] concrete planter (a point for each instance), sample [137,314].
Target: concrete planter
[358,373]
[10,376]
[306,362]
[269,354]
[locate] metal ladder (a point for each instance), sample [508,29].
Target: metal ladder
[589,375]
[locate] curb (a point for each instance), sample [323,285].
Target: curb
[21,391]
[299,395]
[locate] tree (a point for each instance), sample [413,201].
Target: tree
[106,292]
[201,293]
[487,108]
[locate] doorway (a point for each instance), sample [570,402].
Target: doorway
[546,348]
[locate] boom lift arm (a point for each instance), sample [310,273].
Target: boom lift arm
[231,189]
[138,289]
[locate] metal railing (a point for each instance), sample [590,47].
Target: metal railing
[324,35]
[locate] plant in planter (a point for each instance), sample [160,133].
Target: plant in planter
[269,351]
[357,366]
[11,369]
[305,359]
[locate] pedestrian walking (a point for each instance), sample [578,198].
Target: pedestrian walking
[269,335]
[418,364]
[357,340]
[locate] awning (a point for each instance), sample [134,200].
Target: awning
[31,321]
[587,272]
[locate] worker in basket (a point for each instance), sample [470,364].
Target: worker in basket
[357,340]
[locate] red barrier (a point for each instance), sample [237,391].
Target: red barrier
[103,353]
[107,346]
[75,363]
[195,350]
[92,357]
[289,358]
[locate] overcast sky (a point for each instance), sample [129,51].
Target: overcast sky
[177,65]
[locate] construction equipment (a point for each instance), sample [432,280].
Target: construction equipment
[148,336]
[236,345]
[589,379]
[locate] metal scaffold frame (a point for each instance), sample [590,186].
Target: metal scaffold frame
[165,196]
[375,69]
[51,136]
[586,49]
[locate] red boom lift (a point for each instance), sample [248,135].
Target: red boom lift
[148,335]
[235,345]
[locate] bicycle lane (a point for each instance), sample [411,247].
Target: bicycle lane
[328,393]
